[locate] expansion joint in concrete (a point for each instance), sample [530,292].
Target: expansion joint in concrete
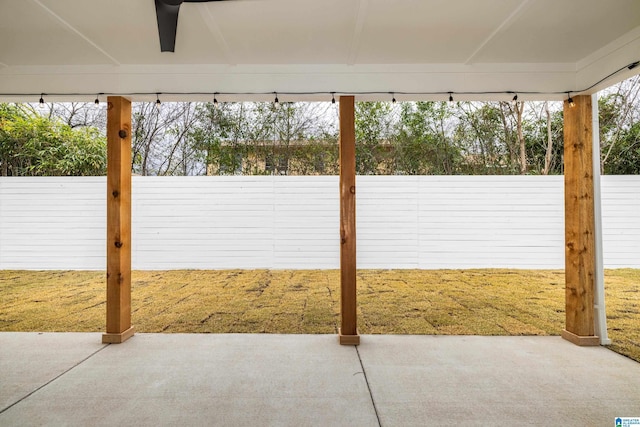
[364,373]
[53,379]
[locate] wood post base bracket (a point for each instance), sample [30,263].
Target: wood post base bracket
[349,339]
[580,340]
[118,338]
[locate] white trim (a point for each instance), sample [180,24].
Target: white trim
[619,43]
[506,24]
[354,48]
[600,317]
[342,79]
[615,55]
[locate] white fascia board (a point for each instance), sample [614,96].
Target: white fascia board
[617,54]
[188,81]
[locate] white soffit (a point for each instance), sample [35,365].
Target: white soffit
[298,47]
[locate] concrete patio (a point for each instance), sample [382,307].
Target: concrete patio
[199,379]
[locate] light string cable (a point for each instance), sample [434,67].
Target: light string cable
[331,95]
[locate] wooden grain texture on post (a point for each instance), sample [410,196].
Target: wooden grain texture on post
[348,327]
[579,222]
[119,327]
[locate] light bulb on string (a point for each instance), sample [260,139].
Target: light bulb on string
[503,94]
[215,102]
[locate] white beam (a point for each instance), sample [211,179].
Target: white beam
[600,317]
[342,79]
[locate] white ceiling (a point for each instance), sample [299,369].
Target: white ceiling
[344,46]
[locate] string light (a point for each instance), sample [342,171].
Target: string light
[276,103]
[629,66]
[276,99]
[393,97]
[215,101]
[97,100]
[158,100]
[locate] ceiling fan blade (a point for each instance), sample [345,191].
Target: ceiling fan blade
[167,15]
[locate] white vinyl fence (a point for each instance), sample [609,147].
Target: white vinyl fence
[279,222]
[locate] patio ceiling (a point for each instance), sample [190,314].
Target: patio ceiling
[424,48]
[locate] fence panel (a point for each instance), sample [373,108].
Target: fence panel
[292,222]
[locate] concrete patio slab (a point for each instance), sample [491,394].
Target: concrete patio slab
[472,380]
[190,379]
[238,380]
[30,360]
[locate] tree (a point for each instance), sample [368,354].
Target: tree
[217,136]
[624,155]
[295,129]
[518,112]
[619,117]
[301,138]
[160,143]
[33,145]
[423,145]
[543,134]
[374,125]
[482,132]
[78,114]
[548,155]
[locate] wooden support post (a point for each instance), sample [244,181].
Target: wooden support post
[348,333]
[579,222]
[119,327]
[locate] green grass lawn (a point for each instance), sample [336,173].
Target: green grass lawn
[477,302]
